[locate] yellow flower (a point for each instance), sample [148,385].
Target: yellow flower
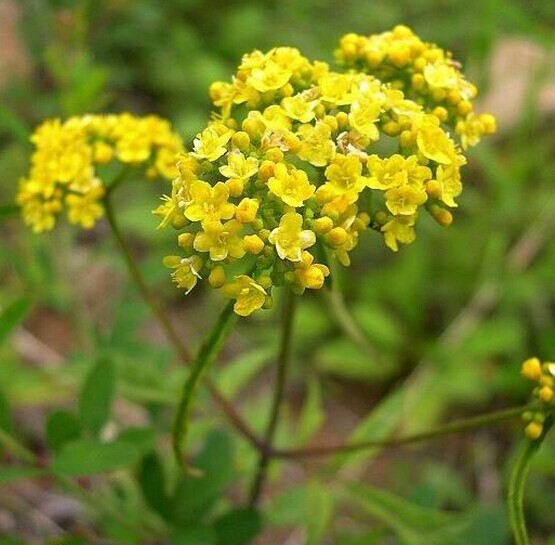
[299,108]
[309,274]
[399,229]
[239,167]
[249,295]
[441,76]
[336,89]
[404,200]
[344,177]
[434,144]
[211,143]
[532,369]
[269,78]
[387,173]
[85,209]
[290,239]
[185,272]
[220,240]
[209,203]
[363,117]
[316,145]
[246,210]
[449,180]
[291,185]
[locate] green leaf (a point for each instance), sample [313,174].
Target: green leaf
[238,526]
[143,439]
[312,415]
[194,535]
[96,396]
[61,427]
[241,370]
[152,482]
[5,413]
[88,457]
[11,316]
[13,125]
[413,524]
[195,496]
[319,511]
[13,474]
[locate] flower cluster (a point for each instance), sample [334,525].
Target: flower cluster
[298,161]
[424,72]
[64,166]
[544,376]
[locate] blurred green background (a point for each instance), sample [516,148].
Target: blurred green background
[447,320]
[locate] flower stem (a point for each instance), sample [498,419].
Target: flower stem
[228,409]
[284,359]
[515,497]
[208,352]
[458,426]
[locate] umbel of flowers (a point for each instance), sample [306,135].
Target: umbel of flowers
[64,166]
[543,374]
[299,160]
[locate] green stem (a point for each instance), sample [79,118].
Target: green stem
[515,497]
[282,368]
[457,426]
[207,354]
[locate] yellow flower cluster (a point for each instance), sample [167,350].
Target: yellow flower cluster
[424,72]
[544,375]
[298,161]
[64,166]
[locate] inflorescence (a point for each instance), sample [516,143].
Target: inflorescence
[544,375]
[64,166]
[299,160]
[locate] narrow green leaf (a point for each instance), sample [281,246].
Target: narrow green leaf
[208,352]
[319,512]
[5,413]
[96,396]
[61,427]
[13,125]
[13,474]
[515,497]
[312,415]
[87,457]
[152,482]
[11,316]
[238,527]
[413,524]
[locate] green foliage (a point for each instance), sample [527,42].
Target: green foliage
[447,320]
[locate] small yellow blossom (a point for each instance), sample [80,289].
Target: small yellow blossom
[185,270]
[316,145]
[309,274]
[290,239]
[249,295]
[210,144]
[298,108]
[209,203]
[291,185]
[220,240]
[404,200]
[239,167]
[246,210]
[398,229]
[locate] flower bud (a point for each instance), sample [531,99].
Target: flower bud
[217,277]
[253,244]
[246,210]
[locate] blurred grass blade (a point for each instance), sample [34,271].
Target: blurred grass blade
[515,497]
[8,211]
[12,316]
[13,474]
[13,125]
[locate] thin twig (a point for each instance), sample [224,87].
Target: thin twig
[279,389]
[458,426]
